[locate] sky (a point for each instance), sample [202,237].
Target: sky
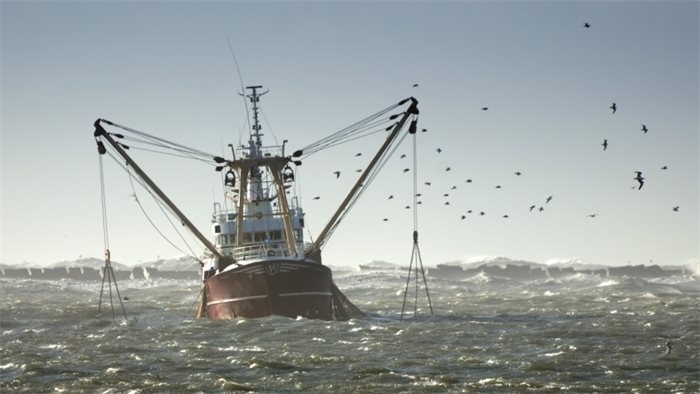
[548,82]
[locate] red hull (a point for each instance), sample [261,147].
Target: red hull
[281,287]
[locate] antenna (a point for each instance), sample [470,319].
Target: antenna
[240,79]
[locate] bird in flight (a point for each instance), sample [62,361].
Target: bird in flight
[408,207]
[385,220]
[541,209]
[482,213]
[532,207]
[675,209]
[358,170]
[405,170]
[644,128]
[605,144]
[415,85]
[439,150]
[639,179]
[448,169]
[391,196]
[403,156]
[505,216]
[548,199]
[484,108]
[358,154]
[587,25]
[447,203]
[592,215]
[428,183]
[664,168]
[317,198]
[453,187]
[468,181]
[518,173]
[613,107]
[424,130]
[337,174]
[498,186]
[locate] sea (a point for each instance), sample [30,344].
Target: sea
[482,334]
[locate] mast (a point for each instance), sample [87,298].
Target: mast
[101,132]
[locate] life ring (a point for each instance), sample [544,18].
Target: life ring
[270,253]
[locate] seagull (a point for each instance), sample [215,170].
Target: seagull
[484,108]
[541,209]
[385,220]
[358,170]
[498,186]
[337,174]
[391,196]
[592,215]
[453,187]
[408,207]
[424,130]
[613,107]
[415,85]
[405,170]
[469,211]
[518,173]
[605,144]
[482,213]
[447,169]
[358,154]
[675,209]
[403,156]
[447,203]
[463,217]
[548,199]
[468,181]
[532,207]
[439,150]
[428,183]
[644,128]
[639,179]
[587,25]
[505,216]
[317,198]
[446,195]
[664,168]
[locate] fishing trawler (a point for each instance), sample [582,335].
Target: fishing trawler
[260,263]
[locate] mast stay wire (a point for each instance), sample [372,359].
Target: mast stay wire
[326,141]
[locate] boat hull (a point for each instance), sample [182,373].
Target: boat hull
[282,287]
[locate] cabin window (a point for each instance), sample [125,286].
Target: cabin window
[247,237]
[217,229]
[276,235]
[231,216]
[262,236]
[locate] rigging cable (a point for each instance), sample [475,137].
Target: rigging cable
[160,206]
[107,272]
[415,252]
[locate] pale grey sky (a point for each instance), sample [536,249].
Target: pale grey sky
[165,68]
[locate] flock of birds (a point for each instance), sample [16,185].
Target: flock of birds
[639,178]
